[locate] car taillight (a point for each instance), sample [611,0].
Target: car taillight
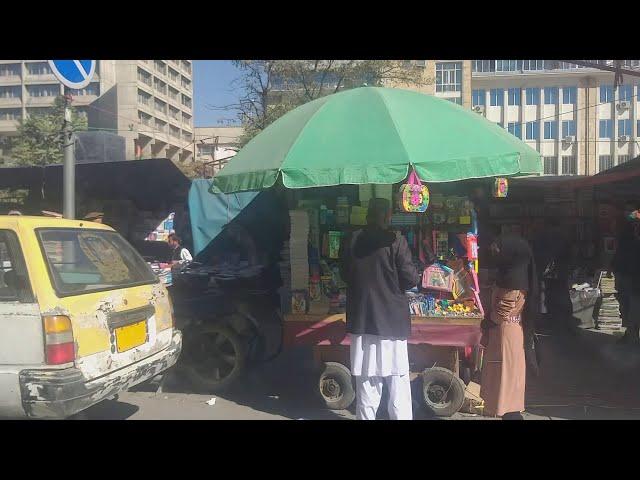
[59,346]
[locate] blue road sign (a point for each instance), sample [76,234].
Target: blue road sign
[73,73]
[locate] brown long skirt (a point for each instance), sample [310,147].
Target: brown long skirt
[504,369]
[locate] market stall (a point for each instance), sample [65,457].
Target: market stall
[329,157]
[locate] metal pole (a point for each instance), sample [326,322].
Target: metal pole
[68,167]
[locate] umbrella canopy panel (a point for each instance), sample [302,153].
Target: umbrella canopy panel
[373,135]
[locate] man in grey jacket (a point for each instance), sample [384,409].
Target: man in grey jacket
[378,268]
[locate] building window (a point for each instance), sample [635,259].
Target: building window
[32,112]
[623,159]
[144,97]
[606,93]
[569,95]
[605,162]
[569,165]
[514,95]
[533,96]
[160,86]
[174,112]
[160,66]
[448,77]
[625,93]
[551,130]
[7,114]
[568,128]
[478,97]
[144,118]
[91,89]
[421,63]
[606,129]
[515,129]
[173,93]
[186,66]
[160,125]
[496,96]
[483,65]
[550,95]
[39,68]
[144,76]
[160,105]
[550,165]
[625,127]
[10,70]
[186,101]
[10,92]
[508,65]
[186,118]
[173,75]
[533,130]
[43,90]
[533,65]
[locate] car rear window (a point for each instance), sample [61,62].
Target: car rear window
[83,261]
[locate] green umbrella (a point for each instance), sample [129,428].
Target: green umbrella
[372,135]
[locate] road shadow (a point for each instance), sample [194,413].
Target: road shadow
[107,410]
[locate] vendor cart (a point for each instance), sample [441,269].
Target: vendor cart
[441,351]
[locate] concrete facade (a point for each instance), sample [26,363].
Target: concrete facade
[148,102]
[515,93]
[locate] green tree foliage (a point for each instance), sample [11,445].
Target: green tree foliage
[271,88]
[39,140]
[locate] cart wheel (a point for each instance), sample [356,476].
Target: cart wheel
[216,357]
[336,386]
[443,391]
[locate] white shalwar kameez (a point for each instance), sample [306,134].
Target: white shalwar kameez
[376,360]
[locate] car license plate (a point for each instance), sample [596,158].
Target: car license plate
[131,336]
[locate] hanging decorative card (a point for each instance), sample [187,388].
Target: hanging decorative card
[501,188]
[438,277]
[414,197]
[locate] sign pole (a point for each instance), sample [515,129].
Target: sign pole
[75,74]
[69,165]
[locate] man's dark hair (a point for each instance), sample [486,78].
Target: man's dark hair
[377,211]
[175,238]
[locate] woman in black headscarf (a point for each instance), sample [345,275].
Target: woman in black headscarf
[509,329]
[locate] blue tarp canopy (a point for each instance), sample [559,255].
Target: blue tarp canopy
[210,212]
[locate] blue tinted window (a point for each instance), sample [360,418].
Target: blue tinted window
[568,128]
[515,129]
[550,130]
[514,96]
[625,92]
[497,97]
[606,129]
[550,95]
[478,97]
[569,95]
[533,130]
[606,93]
[533,96]
[624,127]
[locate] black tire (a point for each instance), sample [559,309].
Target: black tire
[442,391]
[215,357]
[335,386]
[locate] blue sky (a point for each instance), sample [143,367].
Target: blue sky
[212,86]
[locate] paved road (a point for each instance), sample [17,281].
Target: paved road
[583,377]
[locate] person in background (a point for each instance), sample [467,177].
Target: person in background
[626,269]
[509,329]
[179,254]
[378,269]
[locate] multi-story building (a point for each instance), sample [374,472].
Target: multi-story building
[148,102]
[572,115]
[447,79]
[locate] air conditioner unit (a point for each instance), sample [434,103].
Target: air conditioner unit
[623,138]
[478,108]
[624,105]
[569,139]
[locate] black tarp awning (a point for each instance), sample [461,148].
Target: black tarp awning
[149,184]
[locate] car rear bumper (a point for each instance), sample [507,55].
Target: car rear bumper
[62,393]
